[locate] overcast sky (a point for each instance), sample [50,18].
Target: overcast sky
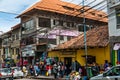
[8,20]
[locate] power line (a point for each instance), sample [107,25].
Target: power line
[9,12]
[99,8]
[74,7]
[83,6]
[91,8]
[58,9]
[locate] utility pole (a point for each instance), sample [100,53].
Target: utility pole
[85,44]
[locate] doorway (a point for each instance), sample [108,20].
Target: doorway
[68,63]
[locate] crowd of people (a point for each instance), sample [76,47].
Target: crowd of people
[57,68]
[60,69]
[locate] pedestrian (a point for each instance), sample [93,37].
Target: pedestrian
[24,69]
[36,70]
[77,76]
[55,70]
[94,69]
[109,66]
[31,69]
[42,68]
[62,70]
[80,70]
[106,64]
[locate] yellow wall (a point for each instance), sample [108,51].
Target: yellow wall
[61,56]
[101,55]
[53,54]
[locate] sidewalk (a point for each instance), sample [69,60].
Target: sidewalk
[52,78]
[49,77]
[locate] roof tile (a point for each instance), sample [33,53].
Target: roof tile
[59,7]
[95,37]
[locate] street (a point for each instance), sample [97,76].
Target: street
[28,79]
[34,79]
[41,78]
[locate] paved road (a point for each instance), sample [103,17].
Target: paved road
[27,79]
[40,78]
[36,79]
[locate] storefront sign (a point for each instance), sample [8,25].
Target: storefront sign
[28,47]
[116,46]
[28,53]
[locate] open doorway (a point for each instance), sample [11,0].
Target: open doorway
[68,63]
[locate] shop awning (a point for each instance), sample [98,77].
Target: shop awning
[116,46]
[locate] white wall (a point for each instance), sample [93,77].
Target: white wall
[113,31]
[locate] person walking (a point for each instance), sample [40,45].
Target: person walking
[106,64]
[36,70]
[55,70]
[25,71]
[95,69]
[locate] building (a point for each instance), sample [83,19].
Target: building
[98,49]
[45,25]
[114,29]
[6,45]
[1,59]
[15,43]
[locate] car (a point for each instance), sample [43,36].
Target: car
[6,74]
[111,74]
[17,72]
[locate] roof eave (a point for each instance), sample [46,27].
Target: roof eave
[25,13]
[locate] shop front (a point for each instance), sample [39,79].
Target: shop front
[28,55]
[65,56]
[116,54]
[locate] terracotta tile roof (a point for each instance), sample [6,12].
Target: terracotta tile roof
[15,27]
[65,8]
[6,33]
[95,37]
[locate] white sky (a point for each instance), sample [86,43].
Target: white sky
[17,6]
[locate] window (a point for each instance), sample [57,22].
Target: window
[28,25]
[81,28]
[118,18]
[43,40]
[54,22]
[68,8]
[29,40]
[69,37]
[70,24]
[17,36]
[12,50]
[13,37]
[65,24]
[17,50]
[60,22]
[52,41]
[61,37]
[44,22]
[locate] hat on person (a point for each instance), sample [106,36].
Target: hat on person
[55,64]
[77,73]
